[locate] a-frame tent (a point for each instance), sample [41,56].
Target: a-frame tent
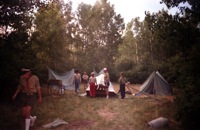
[156,85]
[100,83]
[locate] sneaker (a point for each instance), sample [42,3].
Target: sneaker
[33,120]
[107,97]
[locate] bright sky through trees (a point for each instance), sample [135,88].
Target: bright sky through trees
[131,8]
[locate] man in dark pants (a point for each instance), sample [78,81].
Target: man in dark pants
[77,80]
[122,82]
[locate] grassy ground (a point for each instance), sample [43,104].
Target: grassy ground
[84,113]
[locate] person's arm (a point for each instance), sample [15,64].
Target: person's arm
[22,85]
[80,78]
[85,78]
[17,92]
[39,95]
[74,79]
[39,92]
[95,80]
[119,79]
[127,85]
[89,80]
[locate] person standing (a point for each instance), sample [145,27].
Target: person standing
[27,100]
[122,81]
[106,81]
[93,83]
[85,79]
[34,90]
[77,80]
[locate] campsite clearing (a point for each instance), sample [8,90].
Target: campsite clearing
[83,113]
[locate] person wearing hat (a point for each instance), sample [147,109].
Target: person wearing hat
[93,83]
[106,81]
[23,88]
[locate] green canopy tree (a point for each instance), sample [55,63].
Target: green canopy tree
[52,36]
[156,44]
[188,106]
[164,29]
[15,24]
[127,60]
[100,32]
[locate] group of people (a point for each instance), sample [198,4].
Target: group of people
[92,81]
[28,89]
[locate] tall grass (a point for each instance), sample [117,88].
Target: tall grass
[84,113]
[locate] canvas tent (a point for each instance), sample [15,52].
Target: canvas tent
[100,81]
[66,78]
[155,84]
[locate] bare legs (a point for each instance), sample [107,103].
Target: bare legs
[26,113]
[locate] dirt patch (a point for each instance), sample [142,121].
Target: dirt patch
[105,113]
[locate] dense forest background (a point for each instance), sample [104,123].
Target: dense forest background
[42,34]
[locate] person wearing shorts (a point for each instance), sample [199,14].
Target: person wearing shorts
[34,91]
[28,98]
[24,103]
